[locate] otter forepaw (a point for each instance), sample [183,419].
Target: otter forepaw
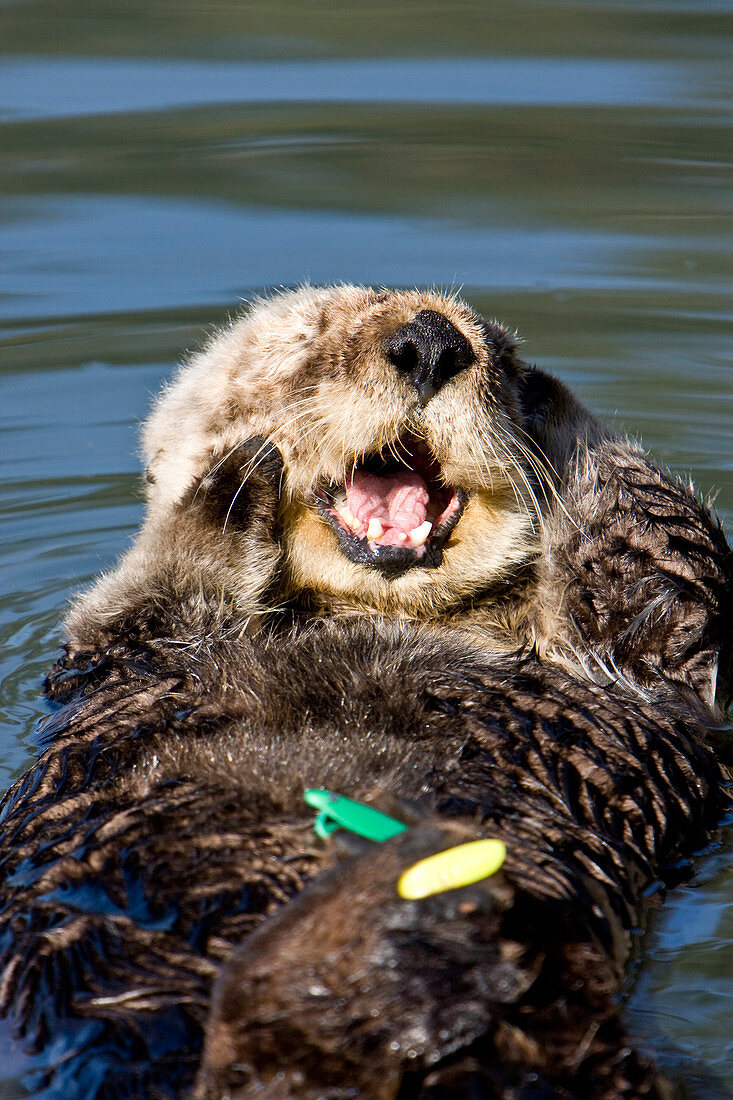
[351,986]
[241,487]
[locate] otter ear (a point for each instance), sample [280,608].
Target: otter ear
[241,488]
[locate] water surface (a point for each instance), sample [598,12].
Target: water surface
[566,163]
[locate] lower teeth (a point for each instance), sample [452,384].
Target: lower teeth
[418,536]
[375,530]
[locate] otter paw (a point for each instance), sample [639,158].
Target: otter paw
[351,986]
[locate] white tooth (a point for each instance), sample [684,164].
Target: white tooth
[347,517]
[375,529]
[419,535]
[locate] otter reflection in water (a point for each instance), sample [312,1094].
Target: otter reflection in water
[382,555]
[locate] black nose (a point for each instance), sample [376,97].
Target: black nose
[429,350]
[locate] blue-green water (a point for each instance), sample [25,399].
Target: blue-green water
[566,163]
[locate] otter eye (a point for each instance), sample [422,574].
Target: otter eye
[405,357]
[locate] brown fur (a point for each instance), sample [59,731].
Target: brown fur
[551,681]
[307,373]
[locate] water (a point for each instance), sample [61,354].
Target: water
[566,163]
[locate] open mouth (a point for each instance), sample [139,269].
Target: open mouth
[393,511]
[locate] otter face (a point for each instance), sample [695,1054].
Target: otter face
[410,481]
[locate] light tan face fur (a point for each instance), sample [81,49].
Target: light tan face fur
[308,371]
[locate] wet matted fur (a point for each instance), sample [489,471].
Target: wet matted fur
[544,658]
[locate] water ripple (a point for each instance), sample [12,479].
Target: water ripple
[47,87]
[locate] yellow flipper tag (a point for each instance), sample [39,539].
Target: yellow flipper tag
[453,868]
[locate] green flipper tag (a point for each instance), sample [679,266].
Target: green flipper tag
[336,811]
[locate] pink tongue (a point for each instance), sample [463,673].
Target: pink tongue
[399,501]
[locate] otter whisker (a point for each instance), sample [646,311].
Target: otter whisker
[233,502]
[478,457]
[507,463]
[392,450]
[537,451]
[215,468]
[543,468]
[514,465]
[544,481]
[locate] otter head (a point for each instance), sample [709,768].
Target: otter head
[413,478]
[345,449]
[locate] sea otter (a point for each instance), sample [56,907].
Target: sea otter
[382,556]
